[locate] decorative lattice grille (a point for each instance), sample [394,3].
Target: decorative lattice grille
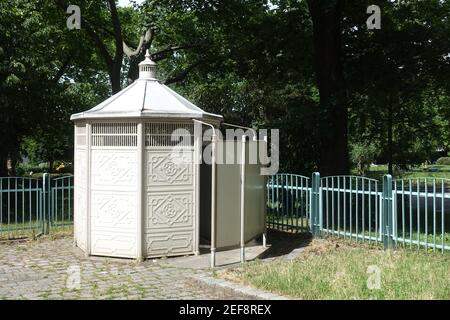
[80,135]
[158,134]
[114,135]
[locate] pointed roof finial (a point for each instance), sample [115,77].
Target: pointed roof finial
[147,68]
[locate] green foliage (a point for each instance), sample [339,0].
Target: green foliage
[362,155]
[46,73]
[443,161]
[396,79]
[248,60]
[29,169]
[32,149]
[254,67]
[257,70]
[425,171]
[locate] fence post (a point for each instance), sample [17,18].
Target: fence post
[315,205]
[386,213]
[46,203]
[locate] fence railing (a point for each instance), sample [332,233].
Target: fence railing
[288,202]
[350,207]
[422,213]
[61,199]
[405,212]
[408,212]
[31,206]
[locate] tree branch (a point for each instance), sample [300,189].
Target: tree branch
[63,68]
[162,54]
[99,27]
[100,45]
[145,41]
[183,74]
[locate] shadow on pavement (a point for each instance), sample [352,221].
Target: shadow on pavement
[282,243]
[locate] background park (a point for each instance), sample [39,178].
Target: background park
[348,100]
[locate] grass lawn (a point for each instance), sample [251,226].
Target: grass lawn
[336,269]
[31,230]
[430,171]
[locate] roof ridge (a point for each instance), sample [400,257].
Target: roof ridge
[145,95]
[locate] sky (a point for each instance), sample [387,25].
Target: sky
[124,3]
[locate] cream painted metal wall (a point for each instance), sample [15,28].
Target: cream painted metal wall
[80,186]
[171,206]
[228,202]
[254,204]
[114,202]
[229,196]
[120,214]
[132,208]
[113,190]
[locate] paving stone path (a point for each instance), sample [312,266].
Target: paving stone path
[48,269]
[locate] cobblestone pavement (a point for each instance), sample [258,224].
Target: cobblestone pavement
[47,269]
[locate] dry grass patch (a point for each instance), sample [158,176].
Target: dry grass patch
[331,269]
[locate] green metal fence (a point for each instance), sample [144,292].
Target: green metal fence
[350,207]
[408,212]
[61,210]
[30,206]
[422,213]
[20,206]
[288,202]
[413,213]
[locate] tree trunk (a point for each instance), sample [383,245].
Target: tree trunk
[13,159]
[51,164]
[9,152]
[118,55]
[133,71]
[326,16]
[390,148]
[3,166]
[114,77]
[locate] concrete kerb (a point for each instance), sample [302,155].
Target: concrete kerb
[228,287]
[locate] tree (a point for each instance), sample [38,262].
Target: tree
[396,79]
[309,68]
[40,64]
[327,29]
[93,19]
[142,22]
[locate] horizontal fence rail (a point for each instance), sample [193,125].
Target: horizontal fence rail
[412,213]
[31,206]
